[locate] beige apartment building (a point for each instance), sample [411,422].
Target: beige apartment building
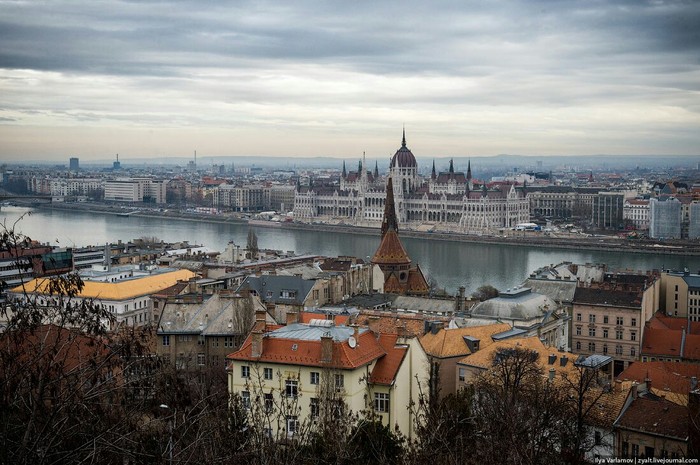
[291,374]
[608,318]
[680,295]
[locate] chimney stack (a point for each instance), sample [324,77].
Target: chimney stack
[257,344]
[551,374]
[326,348]
[292,317]
[260,320]
[634,390]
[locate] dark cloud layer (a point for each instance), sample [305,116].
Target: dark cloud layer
[434,61]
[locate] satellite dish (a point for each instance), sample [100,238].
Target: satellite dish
[352,342]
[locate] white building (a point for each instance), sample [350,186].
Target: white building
[636,212]
[136,190]
[448,200]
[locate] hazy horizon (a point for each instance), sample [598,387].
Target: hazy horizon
[335,79]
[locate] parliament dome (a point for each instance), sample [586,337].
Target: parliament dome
[403,158]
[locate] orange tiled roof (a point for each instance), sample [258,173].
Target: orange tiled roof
[657,416]
[661,342]
[308,352]
[691,351]
[386,368]
[484,357]
[416,282]
[659,320]
[450,342]
[383,322]
[665,376]
[391,251]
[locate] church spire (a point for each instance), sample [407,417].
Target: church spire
[376,170]
[389,221]
[345,173]
[403,140]
[433,175]
[469,170]
[452,166]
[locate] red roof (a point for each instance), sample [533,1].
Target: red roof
[658,416]
[665,376]
[387,367]
[661,342]
[308,352]
[391,251]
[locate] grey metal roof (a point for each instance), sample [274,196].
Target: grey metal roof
[692,280]
[514,332]
[557,290]
[424,304]
[270,287]
[520,304]
[312,332]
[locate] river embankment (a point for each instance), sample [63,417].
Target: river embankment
[563,240]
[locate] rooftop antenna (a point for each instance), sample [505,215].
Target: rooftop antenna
[195,159]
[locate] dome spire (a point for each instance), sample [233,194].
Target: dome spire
[403,140]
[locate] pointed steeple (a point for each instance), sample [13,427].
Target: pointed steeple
[389,222]
[345,173]
[403,140]
[469,170]
[433,175]
[359,168]
[452,166]
[376,170]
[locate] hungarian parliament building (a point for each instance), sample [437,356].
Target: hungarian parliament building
[446,201]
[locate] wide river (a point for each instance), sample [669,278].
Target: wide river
[450,264]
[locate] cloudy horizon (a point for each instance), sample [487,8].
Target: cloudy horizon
[92,79]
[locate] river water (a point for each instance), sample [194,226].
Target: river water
[450,264]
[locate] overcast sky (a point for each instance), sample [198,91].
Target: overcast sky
[158,78]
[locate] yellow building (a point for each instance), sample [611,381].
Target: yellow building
[299,370]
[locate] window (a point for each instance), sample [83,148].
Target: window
[625,449]
[591,346]
[228,341]
[578,330]
[245,399]
[620,321]
[292,424]
[578,317]
[618,334]
[200,359]
[633,352]
[605,319]
[290,387]
[618,350]
[268,402]
[462,374]
[339,381]
[245,371]
[635,450]
[591,332]
[634,322]
[605,333]
[215,342]
[267,373]
[591,318]
[200,340]
[166,340]
[314,407]
[381,402]
[578,345]
[598,438]
[314,377]
[605,349]
[633,335]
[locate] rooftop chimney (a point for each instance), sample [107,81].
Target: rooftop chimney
[326,348]
[551,373]
[260,320]
[257,344]
[292,317]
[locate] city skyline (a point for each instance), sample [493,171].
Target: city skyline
[155,79]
